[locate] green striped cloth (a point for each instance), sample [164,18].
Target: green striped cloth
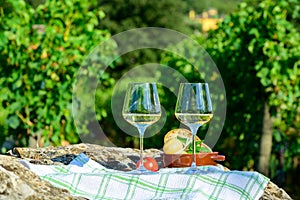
[86,178]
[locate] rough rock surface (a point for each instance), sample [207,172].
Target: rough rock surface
[17,182]
[273,192]
[123,159]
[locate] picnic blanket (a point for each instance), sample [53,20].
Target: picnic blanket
[87,178]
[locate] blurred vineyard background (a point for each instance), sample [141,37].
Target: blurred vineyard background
[255,45]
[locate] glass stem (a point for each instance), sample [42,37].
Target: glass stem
[194,133]
[141,133]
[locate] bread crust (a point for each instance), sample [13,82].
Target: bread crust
[183,133]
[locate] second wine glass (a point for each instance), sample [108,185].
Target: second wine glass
[193,109]
[141,109]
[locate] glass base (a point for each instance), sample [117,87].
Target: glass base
[142,171]
[194,170]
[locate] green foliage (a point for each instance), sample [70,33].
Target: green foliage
[40,51]
[223,8]
[258,53]
[123,15]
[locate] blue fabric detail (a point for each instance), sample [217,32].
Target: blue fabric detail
[80,160]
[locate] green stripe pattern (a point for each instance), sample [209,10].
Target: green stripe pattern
[87,178]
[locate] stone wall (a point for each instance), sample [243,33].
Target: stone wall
[17,182]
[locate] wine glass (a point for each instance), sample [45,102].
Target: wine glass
[193,108]
[141,109]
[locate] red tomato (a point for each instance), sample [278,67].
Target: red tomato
[149,163]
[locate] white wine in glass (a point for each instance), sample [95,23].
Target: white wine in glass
[193,109]
[141,109]
[141,119]
[193,118]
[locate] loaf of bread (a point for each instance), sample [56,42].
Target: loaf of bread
[179,141]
